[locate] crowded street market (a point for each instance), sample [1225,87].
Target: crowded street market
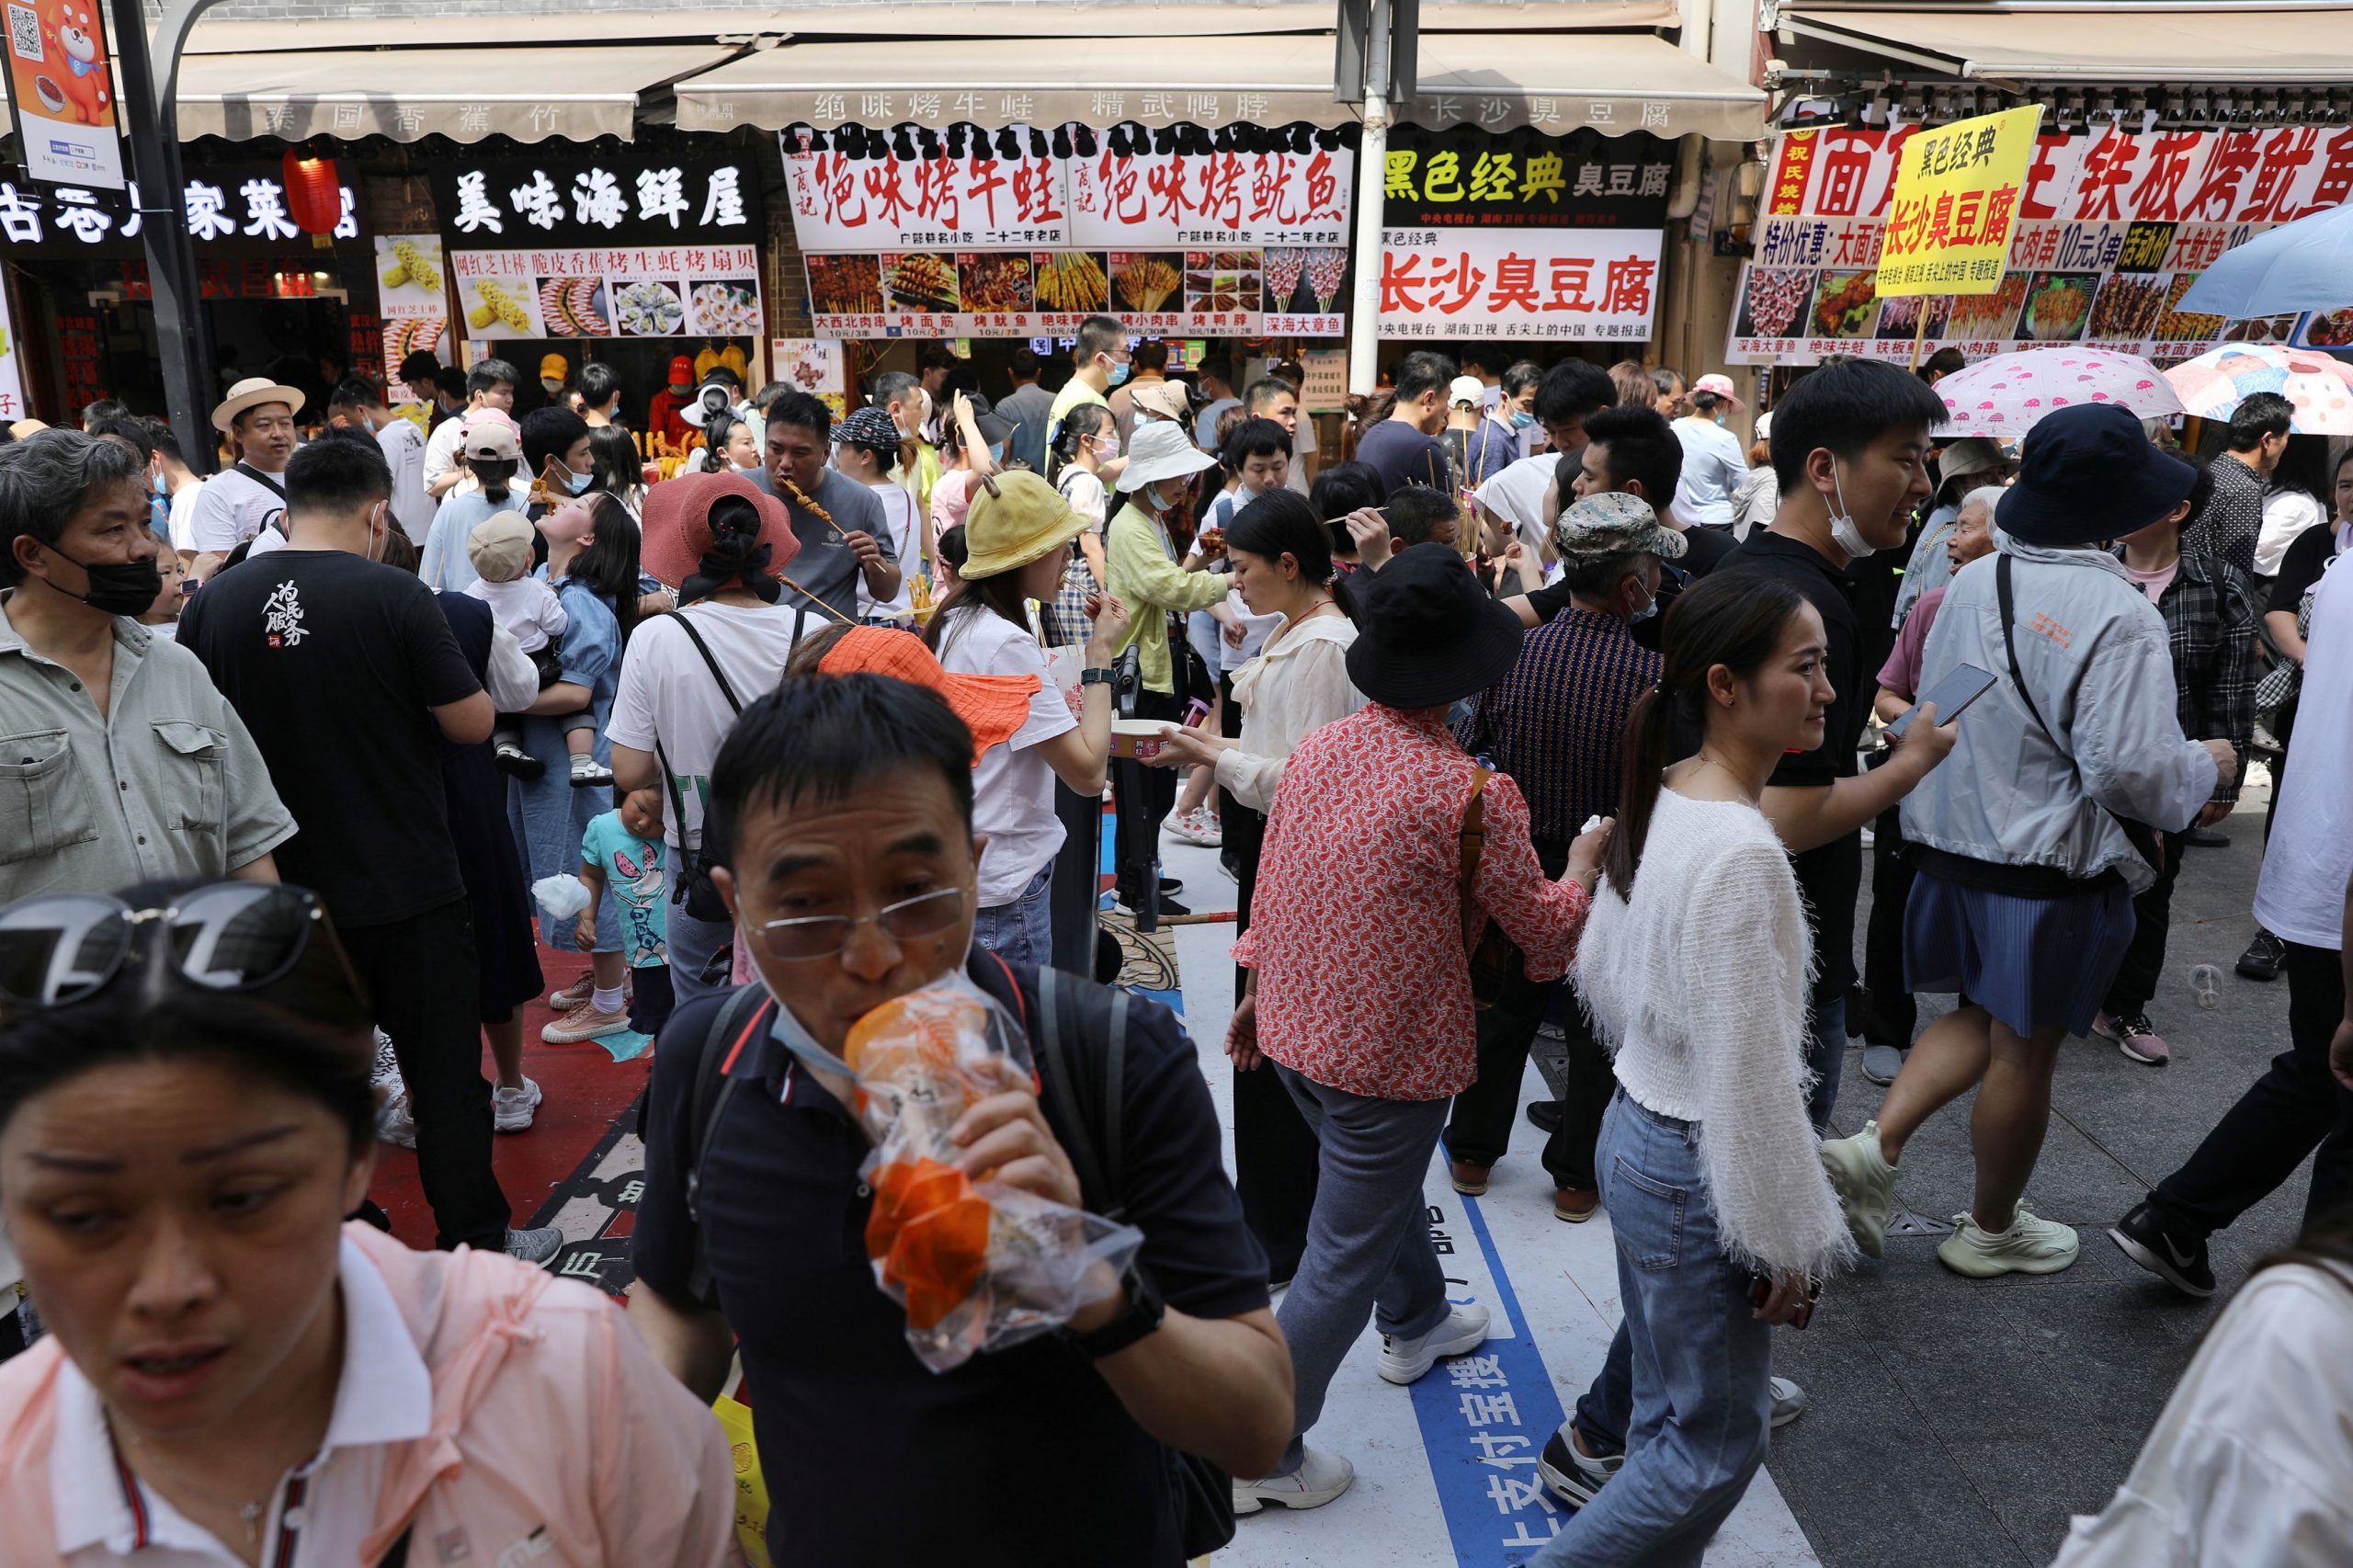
[1490,783]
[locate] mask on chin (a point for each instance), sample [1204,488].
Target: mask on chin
[1843,531]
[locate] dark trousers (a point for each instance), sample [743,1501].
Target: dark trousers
[1479,1128]
[1143,796]
[1275,1157]
[1892,1014]
[2145,956]
[1077,886]
[2294,1106]
[420,974]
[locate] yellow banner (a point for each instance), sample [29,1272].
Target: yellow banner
[1955,205]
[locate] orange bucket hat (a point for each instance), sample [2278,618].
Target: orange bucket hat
[993,707]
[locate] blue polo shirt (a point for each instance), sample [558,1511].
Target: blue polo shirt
[1023,1458]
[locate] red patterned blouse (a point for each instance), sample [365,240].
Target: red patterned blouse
[1356,931]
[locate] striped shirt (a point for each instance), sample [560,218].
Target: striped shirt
[1554,722]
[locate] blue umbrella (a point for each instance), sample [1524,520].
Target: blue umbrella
[2303,266]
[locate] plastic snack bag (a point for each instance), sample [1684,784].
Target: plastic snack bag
[977,1266]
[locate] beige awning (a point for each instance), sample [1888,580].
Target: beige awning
[2278,47]
[1615,82]
[531,93]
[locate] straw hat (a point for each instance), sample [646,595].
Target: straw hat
[993,707]
[1016,518]
[1162,449]
[251,392]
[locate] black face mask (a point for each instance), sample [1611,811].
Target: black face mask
[119,590]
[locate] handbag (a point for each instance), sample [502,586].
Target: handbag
[695,889]
[1494,959]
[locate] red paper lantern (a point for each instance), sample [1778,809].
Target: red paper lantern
[313,192]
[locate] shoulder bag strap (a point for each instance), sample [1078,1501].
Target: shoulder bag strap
[713,1089]
[704,649]
[1091,1121]
[1473,840]
[2010,645]
[262,479]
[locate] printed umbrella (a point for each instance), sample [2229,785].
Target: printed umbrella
[2002,397]
[2302,265]
[2320,387]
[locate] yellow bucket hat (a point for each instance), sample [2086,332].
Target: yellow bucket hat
[1016,518]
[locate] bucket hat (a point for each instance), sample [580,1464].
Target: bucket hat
[993,707]
[1161,450]
[1431,635]
[2087,474]
[1595,528]
[677,532]
[1163,400]
[1721,386]
[1015,517]
[1970,454]
[251,392]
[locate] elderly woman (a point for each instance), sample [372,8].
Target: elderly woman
[233,1373]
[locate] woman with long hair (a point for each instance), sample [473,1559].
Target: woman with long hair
[1018,534]
[1087,438]
[1696,965]
[615,467]
[233,1372]
[1282,563]
[593,566]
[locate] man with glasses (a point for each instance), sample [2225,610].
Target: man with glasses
[840,823]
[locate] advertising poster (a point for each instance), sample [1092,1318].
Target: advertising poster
[412,294]
[644,292]
[61,91]
[1955,205]
[816,366]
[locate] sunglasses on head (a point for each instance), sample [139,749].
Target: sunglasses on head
[229,937]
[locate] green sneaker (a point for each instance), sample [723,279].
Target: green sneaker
[2029,1246]
[1866,1185]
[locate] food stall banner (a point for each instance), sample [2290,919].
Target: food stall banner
[566,196]
[413,298]
[685,290]
[816,366]
[1124,188]
[2113,226]
[61,91]
[235,210]
[1520,235]
[1954,205]
[12,380]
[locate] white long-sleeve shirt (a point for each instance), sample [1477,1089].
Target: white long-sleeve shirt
[1699,984]
[2248,1465]
[1297,685]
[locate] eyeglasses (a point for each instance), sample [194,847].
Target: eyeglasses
[60,948]
[824,935]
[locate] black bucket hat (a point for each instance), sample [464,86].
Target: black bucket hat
[1430,635]
[2087,474]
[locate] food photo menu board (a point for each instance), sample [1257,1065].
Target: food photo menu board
[647,291]
[2109,231]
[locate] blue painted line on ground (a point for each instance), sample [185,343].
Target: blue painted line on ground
[1485,1420]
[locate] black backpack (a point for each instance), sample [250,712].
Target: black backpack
[1085,1082]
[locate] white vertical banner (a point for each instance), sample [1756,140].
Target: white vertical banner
[12,380]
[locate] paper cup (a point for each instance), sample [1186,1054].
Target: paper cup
[1137,740]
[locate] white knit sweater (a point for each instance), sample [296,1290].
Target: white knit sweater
[1699,985]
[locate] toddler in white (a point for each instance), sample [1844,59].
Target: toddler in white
[500,549]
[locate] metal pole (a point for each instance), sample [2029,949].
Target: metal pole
[150,122]
[1372,159]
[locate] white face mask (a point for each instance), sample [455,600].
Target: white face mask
[1843,531]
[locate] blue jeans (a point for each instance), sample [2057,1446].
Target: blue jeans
[1022,931]
[1826,1057]
[1367,1239]
[691,944]
[1699,1365]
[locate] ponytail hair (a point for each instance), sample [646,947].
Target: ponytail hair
[1736,620]
[1084,420]
[496,476]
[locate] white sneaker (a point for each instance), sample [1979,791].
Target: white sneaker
[1404,1360]
[1789,1402]
[394,1125]
[1320,1479]
[511,1108]
[1198,825]
[2029,1247]
[1866,1185]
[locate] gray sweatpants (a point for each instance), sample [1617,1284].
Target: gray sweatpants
[1368,1240]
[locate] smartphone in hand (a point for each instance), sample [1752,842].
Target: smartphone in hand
[1963,685]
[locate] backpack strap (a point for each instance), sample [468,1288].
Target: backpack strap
[2010,642]
[741,1017]
[1086,1084]
[704,649]
[1473,840]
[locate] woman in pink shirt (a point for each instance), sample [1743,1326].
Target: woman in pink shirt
[1360,991]
[233,1373]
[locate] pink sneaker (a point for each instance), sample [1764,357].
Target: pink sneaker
[2136,1040]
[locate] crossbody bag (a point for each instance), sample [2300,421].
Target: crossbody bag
[695,889]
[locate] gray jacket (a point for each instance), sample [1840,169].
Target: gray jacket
[2094,654]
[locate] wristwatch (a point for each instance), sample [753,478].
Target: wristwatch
[1145,1309]
[1095,675]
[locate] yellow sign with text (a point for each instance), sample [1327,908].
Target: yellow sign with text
[1956,205]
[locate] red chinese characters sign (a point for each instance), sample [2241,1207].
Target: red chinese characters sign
[1537,283]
